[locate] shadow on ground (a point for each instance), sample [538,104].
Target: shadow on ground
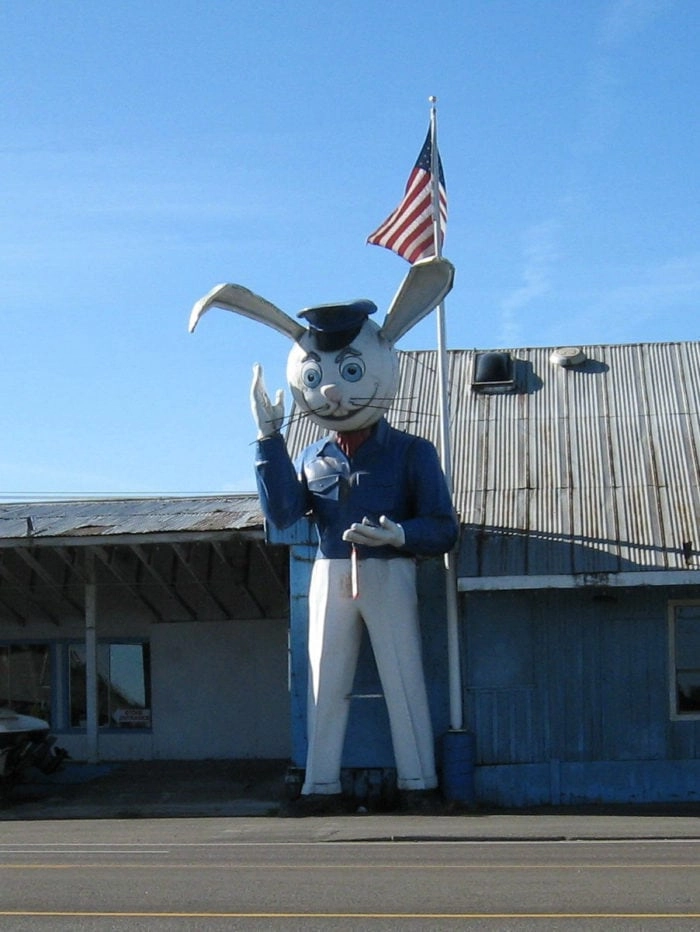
[140,788]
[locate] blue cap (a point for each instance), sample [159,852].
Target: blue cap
[336,325]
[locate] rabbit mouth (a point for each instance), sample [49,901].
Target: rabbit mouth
[336,412]
[343,410]
[339,417]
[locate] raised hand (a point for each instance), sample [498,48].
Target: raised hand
[268,415]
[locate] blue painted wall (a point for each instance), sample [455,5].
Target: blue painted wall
[567,692]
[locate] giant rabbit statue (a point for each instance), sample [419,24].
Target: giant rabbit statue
[378,498]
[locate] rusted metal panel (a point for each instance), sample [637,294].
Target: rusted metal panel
[589,469]
[105,518]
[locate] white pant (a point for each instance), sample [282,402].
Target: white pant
[388,606]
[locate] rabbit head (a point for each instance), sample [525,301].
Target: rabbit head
[343,369]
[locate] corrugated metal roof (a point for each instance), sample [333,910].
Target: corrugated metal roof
[588,469]
[107,518]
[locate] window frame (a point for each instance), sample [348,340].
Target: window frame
[675,714]
[109,642]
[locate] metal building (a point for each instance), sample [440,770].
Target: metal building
[158,628]
[576,474]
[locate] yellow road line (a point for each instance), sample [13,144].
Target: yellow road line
[132,914]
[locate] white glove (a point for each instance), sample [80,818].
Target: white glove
[267,415]
[387,533]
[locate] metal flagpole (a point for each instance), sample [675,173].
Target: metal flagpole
[454,669]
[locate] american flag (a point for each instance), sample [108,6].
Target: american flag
[409,230]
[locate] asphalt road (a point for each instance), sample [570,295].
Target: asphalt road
[222,873]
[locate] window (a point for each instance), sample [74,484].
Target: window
[25,679]
[123,685]
[685,659]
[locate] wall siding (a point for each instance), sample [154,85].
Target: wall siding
[567,695]
[219,689]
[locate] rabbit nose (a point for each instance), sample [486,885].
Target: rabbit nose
[332,393]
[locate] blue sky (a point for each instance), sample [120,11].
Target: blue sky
[151,150]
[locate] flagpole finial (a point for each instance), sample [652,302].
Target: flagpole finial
[432,99]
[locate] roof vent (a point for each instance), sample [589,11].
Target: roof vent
[493,373]
[567,356]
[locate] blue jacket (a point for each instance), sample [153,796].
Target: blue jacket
[392,473]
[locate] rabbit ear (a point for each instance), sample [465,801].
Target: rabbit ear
[425,285]
[242,301]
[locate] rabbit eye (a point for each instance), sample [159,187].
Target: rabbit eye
[311,375]
[352,370]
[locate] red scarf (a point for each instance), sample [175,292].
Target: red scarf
[350,441]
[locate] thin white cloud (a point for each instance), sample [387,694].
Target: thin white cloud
[655,289]
[538,257]
[624,19]
[660,298]
[621,24]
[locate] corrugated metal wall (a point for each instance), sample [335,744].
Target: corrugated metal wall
[564,678]
[594,468]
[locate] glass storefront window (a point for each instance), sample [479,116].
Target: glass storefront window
[25,679]
[123,685]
